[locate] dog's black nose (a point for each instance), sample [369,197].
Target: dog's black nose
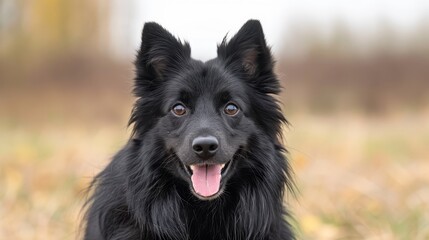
[205,147]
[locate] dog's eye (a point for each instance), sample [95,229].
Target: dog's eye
[179,109]
[231,109]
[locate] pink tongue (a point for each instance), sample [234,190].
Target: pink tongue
[206,179]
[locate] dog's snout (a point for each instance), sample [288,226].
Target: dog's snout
[205,147]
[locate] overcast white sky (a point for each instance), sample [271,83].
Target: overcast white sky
[205,22]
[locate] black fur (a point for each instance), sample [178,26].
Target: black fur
[146,193]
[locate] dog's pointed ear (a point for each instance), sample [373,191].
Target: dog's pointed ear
[159,53]
[247,50]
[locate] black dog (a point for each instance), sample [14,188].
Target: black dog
[204,161]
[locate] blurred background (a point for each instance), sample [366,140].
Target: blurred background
[356,91]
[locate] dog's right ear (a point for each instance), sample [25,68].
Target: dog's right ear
[160,52]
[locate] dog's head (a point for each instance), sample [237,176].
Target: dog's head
[205,113]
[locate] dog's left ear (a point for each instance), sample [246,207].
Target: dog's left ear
[247,51]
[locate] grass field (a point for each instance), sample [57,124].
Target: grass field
[361,178]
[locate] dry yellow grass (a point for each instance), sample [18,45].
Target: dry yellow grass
[43,174]
[361,177]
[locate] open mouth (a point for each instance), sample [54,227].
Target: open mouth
[206,178]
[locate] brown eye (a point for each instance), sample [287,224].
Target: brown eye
[231,109]
[179,110]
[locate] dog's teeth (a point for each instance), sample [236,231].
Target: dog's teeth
[192,167]
[222,166]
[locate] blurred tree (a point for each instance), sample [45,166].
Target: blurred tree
[341,41]
[420,37]
[53,26]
